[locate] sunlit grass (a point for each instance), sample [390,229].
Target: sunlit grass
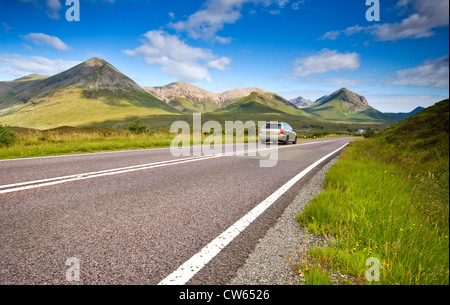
[388,200]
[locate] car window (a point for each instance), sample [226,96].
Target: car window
[273,126]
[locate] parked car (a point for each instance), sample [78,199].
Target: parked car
[280,132]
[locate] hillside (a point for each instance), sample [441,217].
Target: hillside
[345,105]
[387,197]
[90,92]
[262,103]
[423,130]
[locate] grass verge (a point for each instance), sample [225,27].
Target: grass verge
[387,198]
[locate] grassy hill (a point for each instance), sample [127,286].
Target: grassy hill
[91,92]
[262,103]
[345,105]
[189,106]
[387,198]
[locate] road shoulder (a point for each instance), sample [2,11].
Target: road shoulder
[268,264]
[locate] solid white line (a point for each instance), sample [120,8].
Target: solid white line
[22,186]
[103,153]
[87,174]
[83,155]
[55,181]
[186,271]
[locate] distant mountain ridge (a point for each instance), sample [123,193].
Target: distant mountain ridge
[187,97]
[402,115]
[301,102]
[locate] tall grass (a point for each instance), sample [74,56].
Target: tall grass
[34,143]
[387,199]
[68,140]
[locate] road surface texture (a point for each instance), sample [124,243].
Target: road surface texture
[135,217]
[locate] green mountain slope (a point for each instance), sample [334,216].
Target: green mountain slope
[190,106]
[345,105]
[426,128]
[388,198]
[262,103]
[91,92]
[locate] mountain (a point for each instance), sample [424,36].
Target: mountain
[257,102]
[345,105]
[90,92]
[189,98]
[234,94]
[186,97]
[301,102]
[406,115]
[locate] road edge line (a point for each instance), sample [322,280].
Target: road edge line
[192,266]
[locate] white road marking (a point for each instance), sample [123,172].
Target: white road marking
[22,186]
[106,153]
[186,271]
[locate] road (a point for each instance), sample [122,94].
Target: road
[143,217]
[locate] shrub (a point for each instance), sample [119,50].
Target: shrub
[7,137]
[137,127]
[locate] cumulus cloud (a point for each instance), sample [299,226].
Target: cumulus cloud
[425,17]
[176,58]
[18,65]
[325,61]
[215,14]
[432,73]
[44,39]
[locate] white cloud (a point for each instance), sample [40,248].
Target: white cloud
[296,5]
[426,15]
[432,73]
[176,58]
[325,61]
[18,65]
[53,8]
[44,39]
[221,64]
[215,14]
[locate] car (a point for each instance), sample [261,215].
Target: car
[277,132]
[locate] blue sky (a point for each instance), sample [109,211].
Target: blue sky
[306,48]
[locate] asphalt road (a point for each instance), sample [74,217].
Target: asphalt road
[135,217]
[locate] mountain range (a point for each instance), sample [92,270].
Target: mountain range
[95,92]
[189,98]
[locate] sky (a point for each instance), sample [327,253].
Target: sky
[393,52]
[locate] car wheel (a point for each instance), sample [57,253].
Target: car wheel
[295,141]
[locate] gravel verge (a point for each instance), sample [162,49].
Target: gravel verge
[268,264]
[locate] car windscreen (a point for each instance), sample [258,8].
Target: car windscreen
[273,126]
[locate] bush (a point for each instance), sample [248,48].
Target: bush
[137,127]
[370,134]
[7,137]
